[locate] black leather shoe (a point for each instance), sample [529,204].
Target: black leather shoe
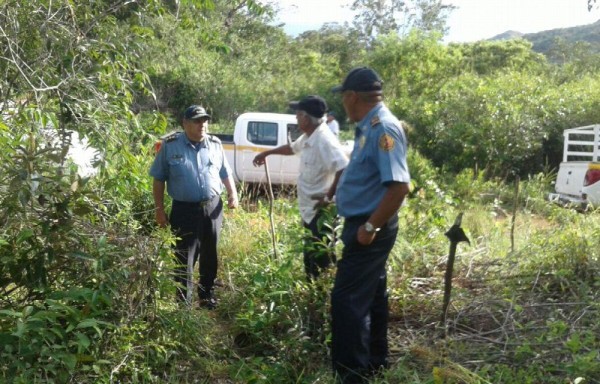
[207,298]
[208,303]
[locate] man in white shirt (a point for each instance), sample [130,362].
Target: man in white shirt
[322,160]
[332,123]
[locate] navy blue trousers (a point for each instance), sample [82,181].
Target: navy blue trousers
[359,303]
[319,253]
[193,222]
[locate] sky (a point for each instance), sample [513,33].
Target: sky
[472,20]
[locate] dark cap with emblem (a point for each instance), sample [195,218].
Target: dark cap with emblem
[195,112]
[313,105]
[361,79]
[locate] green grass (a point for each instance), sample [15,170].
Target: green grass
[523,310]
[522,315]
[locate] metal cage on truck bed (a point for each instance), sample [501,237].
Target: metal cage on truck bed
[582,143]
[578,178]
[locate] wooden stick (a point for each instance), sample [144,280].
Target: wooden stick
[271,198]
[514,216]
[190,273]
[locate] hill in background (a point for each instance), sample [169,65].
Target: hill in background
[545,41]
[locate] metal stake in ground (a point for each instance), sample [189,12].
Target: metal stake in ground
[456,235]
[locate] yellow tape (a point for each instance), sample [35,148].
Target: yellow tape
[243,148]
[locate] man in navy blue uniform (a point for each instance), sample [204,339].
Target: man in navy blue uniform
[369,194]
[193,166]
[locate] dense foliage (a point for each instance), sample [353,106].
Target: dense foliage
[85,285]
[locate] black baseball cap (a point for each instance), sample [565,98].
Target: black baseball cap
[194,112]
[313,105]
[362,79]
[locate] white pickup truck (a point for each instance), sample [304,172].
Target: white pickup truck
[255,132]
[578,179]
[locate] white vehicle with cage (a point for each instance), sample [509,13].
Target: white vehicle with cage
[578,179]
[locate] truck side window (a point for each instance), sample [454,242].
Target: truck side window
[293,132]
[262,133]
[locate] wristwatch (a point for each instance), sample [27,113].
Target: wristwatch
[371,228]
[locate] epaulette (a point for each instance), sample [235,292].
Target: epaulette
[214,138]
[170,137]
[374,121]
[167,138]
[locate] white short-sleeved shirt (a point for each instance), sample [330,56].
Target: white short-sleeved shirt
[334,126]
[321,156]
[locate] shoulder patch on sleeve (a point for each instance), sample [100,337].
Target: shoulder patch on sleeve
[157,147]
[374,121]
[386,142]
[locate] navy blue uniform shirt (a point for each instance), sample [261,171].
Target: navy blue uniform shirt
[193,172]
[378,157]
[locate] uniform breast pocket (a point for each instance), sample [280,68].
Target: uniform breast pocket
[177,166]
[361,161]
[359,156]
[214,160]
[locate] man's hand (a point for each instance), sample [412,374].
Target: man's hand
[232,202]
[259,159]
[363,237]
[321,201]
[161,217]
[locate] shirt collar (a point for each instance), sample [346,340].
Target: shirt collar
[310,140]
[366,121]
[188,142]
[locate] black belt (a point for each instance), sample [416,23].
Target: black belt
[361,218]
[202,203]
